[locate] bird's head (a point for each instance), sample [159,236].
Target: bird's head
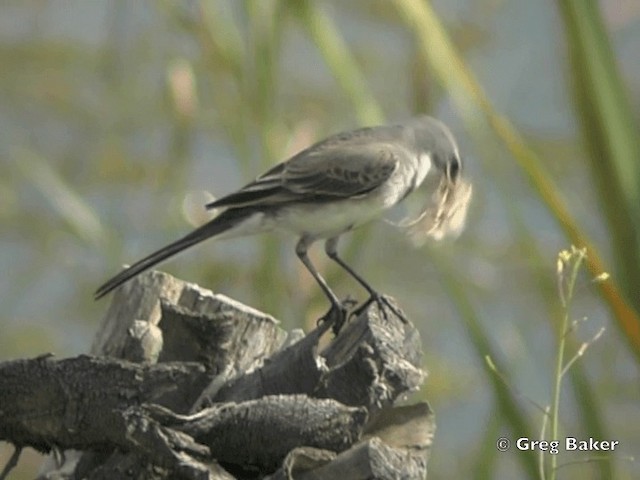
[432,137]
[445,212]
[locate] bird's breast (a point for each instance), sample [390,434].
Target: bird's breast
[408,176]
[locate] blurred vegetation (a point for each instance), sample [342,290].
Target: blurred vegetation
[611,135]
[120,121]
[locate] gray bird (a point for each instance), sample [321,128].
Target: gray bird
[333,187]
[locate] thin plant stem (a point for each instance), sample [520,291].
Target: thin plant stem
[543,431]
[583,348]
[577,255]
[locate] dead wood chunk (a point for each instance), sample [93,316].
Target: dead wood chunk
[296,369]
[75,402]
[260,433]
[138,299]
[144,342]
[370,363]
[217,331]
[318,407]
[395,444]
[369,459]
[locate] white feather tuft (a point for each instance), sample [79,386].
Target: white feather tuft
[444,215]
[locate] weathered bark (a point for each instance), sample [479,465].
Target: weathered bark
[231,396]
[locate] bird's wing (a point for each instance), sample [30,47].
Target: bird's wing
[325,172]
[342,172]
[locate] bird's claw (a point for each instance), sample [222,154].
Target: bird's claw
[337,315]
[385,304]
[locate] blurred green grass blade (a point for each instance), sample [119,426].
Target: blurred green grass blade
[591,412]
[225,39]
[610,133]
[468,94]
[507,405]
[332,47]
[59,196]
[223,51]
[613,123]
[216,33]
[485,463]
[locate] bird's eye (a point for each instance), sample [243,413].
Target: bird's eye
[453,168]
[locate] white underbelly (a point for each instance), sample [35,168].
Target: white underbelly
[326,220]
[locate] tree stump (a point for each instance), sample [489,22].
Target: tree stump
[185,383]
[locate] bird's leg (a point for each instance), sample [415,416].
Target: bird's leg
[13,461]
[331,247]
[337,313]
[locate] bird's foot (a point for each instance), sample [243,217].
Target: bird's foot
[337,314]
[385,304]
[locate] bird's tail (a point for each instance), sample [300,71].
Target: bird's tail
[223,222]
